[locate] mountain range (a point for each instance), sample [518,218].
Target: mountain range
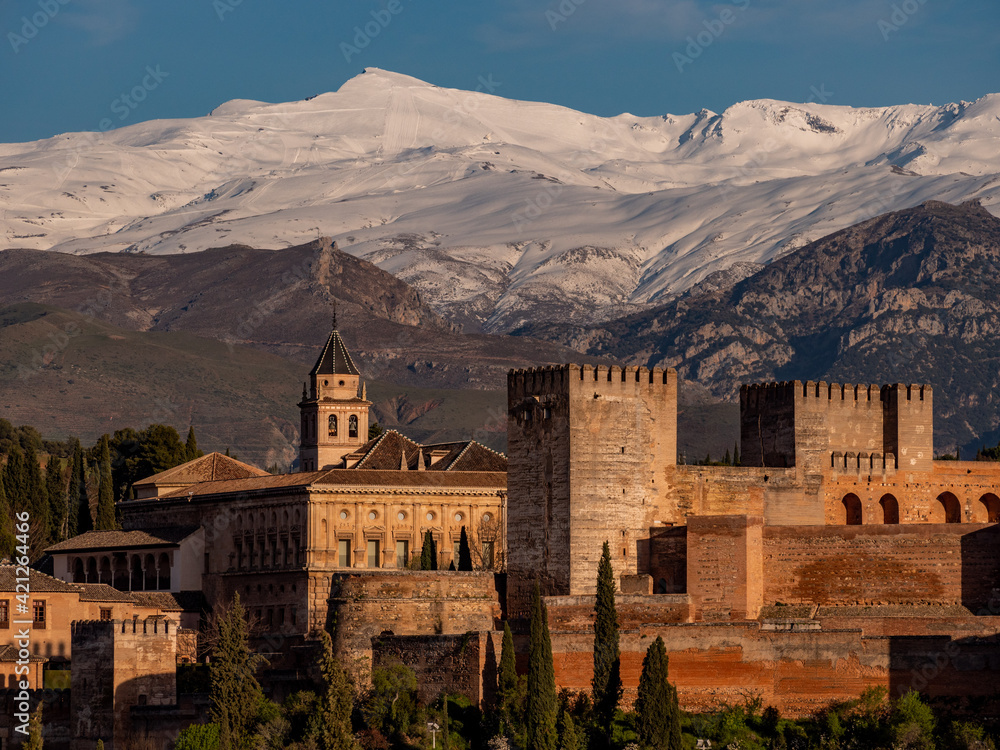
[499,213]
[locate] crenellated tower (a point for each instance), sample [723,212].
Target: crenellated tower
[334,408]
[589,450]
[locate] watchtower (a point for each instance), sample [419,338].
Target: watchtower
[821,427]
[118,664]
[588,450]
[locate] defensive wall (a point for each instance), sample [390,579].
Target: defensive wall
[372,603]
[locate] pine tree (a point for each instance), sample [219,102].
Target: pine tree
[55,485]
[657,714]
[508,720]
[606,683]
[235,694]
[105,493]
[336,702]
[191,446]
[540,716]
[76,482]
[464,553]
[34,741]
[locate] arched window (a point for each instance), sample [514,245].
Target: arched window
[852,510]
[947,509]
[163,572]
[890,509]
[989,510]
[352,426]
[332,428]
[78,575]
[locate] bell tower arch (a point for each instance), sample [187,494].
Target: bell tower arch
[334,408]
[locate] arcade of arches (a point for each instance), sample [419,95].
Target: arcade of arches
[945,508]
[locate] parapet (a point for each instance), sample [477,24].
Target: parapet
[104,628]
[557,378]
[786,391]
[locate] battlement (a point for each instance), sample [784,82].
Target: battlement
[557,378]
[104,628]
[786,391]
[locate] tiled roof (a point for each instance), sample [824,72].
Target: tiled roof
[387,451]
[10,653]
[334,359]
[179,601]
[269,482]
[36,581]
[101,592]
[214,466]
[106,540]
[416,479]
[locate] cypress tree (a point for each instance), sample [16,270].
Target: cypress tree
[37,499]
[727,459]
[336,702]
[606,684]
[8,541]
[569,736]
[84,519]
[56,488]
[76,481]
[191,446]
[657,714]
[105,491]
[428,553]
[15,478]
[508,722]
[464,553]
[235,694]
[736,454]
[540,716]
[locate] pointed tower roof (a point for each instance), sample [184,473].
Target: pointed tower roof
[334,359]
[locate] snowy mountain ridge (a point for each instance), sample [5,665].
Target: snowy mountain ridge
[499,211]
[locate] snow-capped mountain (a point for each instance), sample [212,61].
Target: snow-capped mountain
[499,211]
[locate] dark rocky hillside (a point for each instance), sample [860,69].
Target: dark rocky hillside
[279,301]
[911,296]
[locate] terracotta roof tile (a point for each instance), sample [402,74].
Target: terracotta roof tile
[214,466]
[172,601]
[105,540]
[36,581]
[101,592]
[268,482]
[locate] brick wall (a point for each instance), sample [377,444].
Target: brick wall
[366,604]
[464,664]
[725,577]
[945,564]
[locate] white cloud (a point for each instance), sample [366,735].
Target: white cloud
[103,21]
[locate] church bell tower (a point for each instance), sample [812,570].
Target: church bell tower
[334,408]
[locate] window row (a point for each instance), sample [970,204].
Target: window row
[274,553]
[149,572]
[373,555]
[38,620]
[352,426]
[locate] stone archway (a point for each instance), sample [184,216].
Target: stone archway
[946,509]
[852,515]
[988,510]
[890,509]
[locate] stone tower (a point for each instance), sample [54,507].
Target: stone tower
[334,408]
[590,449]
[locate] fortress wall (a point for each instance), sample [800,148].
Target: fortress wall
[837,417]
[767,424]
[362,605]
[576,613]
[944,564]
[463,664]
[909,425]
[724,574]
[798,672]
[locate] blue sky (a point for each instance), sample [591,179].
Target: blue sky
[66,64]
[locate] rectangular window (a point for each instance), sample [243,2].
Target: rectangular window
[281,616]
[402,553]
[344,553]
[488,555]
[270,617]
[295,613]
[105,614]
[373,553]
[38,615]
[4,613]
